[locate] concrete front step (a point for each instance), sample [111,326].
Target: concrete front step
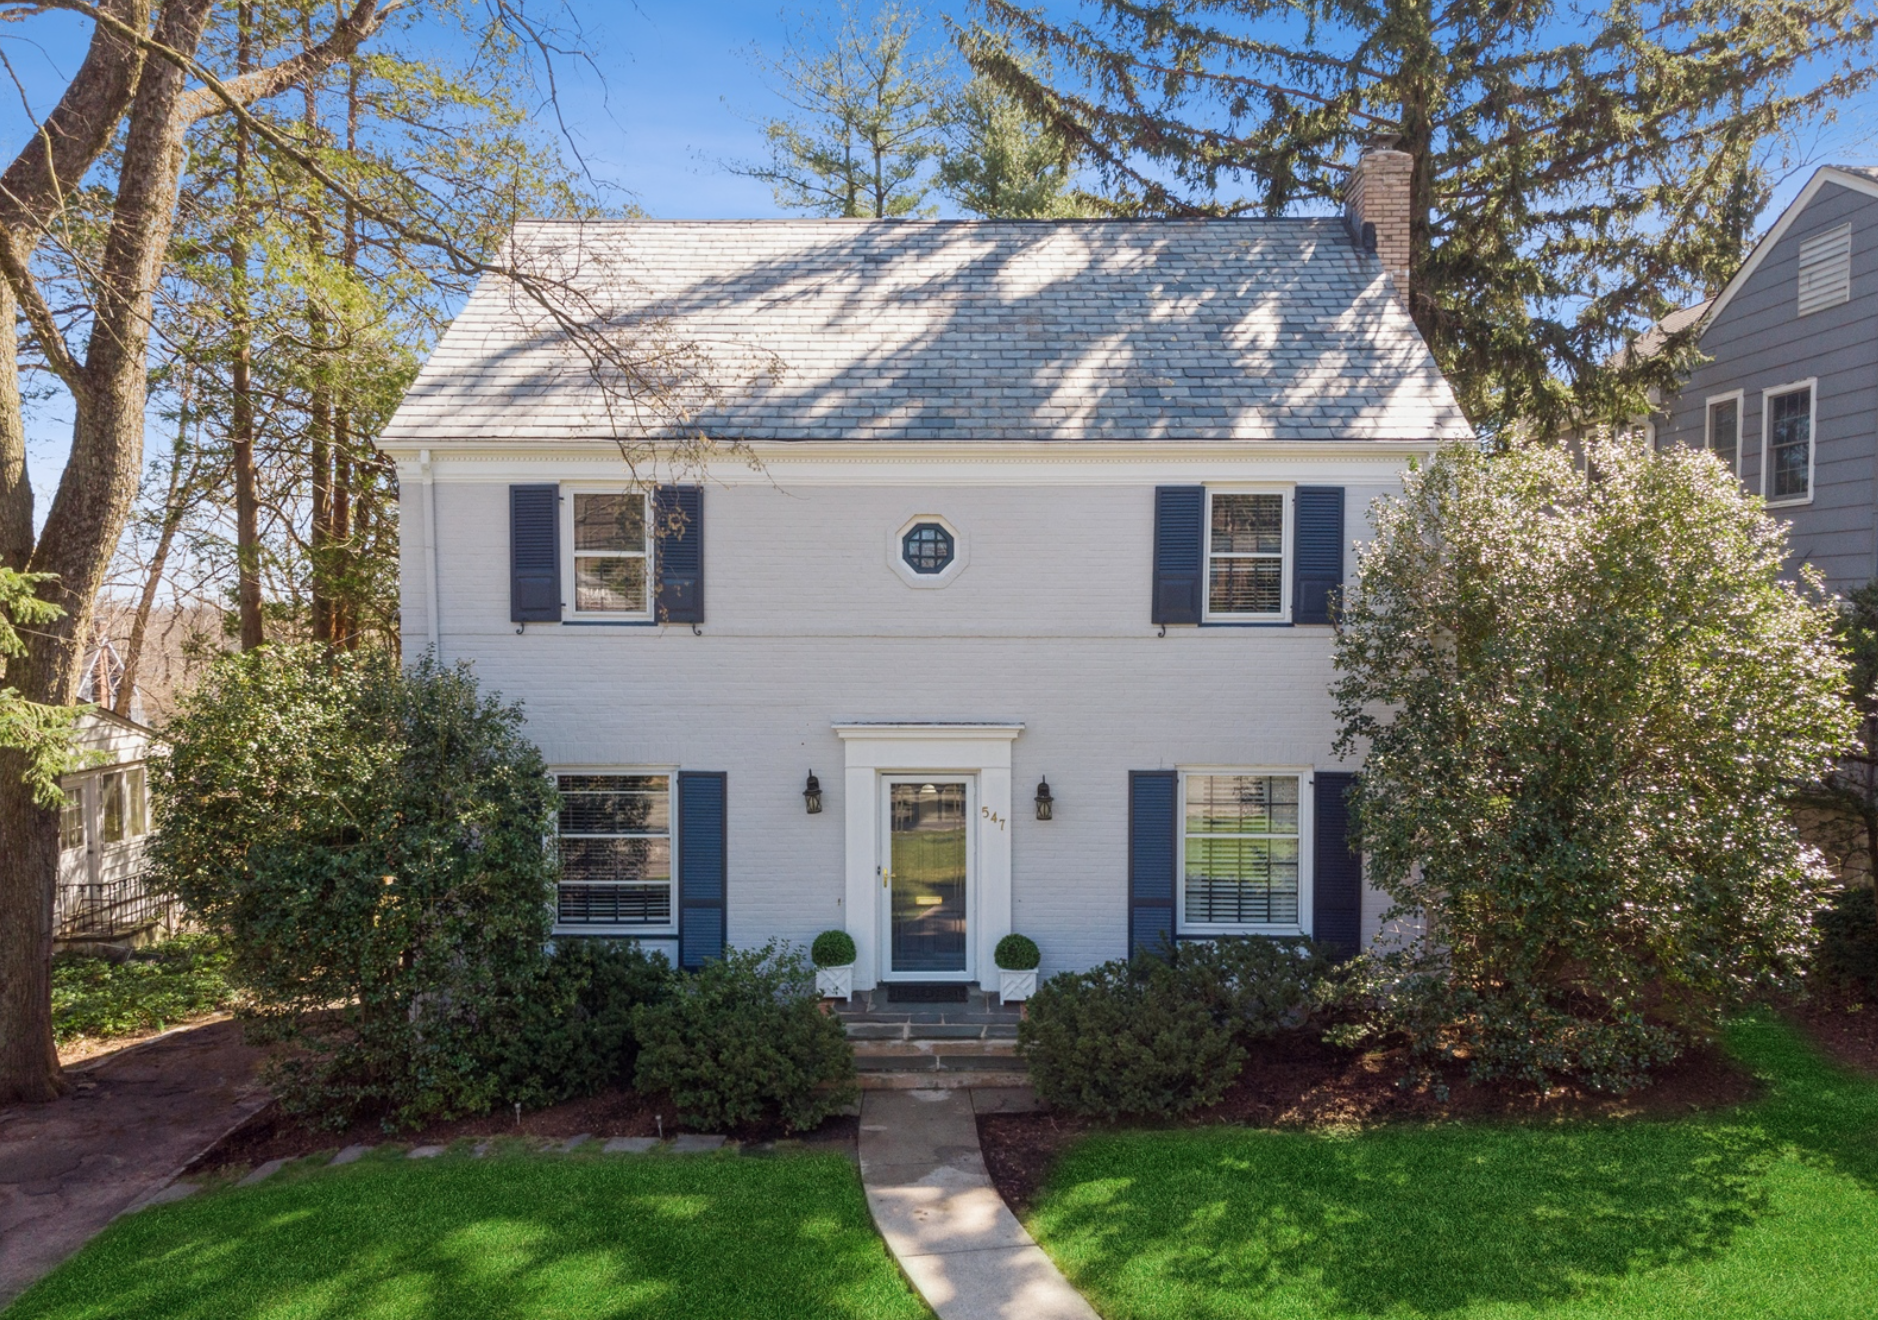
[873,1030]
[941,1081]
[927,1062]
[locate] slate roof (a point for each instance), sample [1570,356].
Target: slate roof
[1276,330]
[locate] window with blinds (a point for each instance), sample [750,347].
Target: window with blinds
[1826,270]
[616,851]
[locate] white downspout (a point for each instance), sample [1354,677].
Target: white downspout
[430,549]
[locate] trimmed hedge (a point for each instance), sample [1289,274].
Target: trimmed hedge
[1163,1035]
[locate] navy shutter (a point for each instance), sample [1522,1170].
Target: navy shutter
[1179,553]
[534,554]
[1316,552]
[702,866]
[679,513]
[1152,803]
[1337,874]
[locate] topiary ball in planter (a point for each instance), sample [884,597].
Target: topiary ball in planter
[1017,953]
[1017,957]
[834,948]
[833,954]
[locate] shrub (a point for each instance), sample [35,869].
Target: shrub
[833,948]
[152,989]
[1848,949]
[1017,953]
[1582,694]
[744,1041]
[1162,1036]
[574,1034]
[371,840]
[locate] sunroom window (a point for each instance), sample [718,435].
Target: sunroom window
[610,557]
[1245,569]
[1240,850]
[616,851]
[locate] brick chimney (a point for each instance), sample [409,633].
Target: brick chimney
[1376,204]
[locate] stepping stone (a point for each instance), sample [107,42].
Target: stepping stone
[629,1145]
[424,1152]
[573,1143]
[694,1143]
[262,1173]
[175,1191]
[349,1154]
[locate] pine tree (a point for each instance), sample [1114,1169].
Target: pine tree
[1576,174]
[871,113]
[1002,163]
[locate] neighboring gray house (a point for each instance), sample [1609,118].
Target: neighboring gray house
[1789,393]
[1018,622]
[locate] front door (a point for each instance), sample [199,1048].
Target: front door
[926,876]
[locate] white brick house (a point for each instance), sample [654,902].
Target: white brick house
[1031,500]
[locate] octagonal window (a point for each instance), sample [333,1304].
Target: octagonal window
[927,548]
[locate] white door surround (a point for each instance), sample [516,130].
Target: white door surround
[875,750]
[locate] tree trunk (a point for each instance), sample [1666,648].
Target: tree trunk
[159,560]
[88,515]
[241,407]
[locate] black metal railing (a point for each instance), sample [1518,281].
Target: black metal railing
[110,909]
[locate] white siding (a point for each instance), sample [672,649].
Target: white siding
[807,624]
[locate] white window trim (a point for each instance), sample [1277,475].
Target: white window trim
[570,613]
[896,557]
[667,931]
[1739,398]
[1307,815]
[1811,386]
[1208,614]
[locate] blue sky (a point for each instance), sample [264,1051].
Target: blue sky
[673,92]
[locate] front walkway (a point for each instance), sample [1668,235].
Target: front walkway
[933,1202]
[130,1123]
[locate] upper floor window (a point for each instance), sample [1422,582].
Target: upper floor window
[927,548]
[1826,270]
[1724,429]
[1787,457]
[1241,851]
[1245,554]
[611,558]
[616,851]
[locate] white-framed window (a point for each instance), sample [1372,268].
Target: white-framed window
[607,550]
[1245,850]
[1723,428]
[615,842]
[1787,414]
[72,816]
[1248,538]
[109,806]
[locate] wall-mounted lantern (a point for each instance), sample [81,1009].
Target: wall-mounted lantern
[1046,805]
[812,795]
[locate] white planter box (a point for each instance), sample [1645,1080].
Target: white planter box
[1015,987]
[835,982]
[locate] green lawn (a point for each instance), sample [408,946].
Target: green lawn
[517,1236]
[1770,1210]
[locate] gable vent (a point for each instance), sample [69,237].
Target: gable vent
[1826,270]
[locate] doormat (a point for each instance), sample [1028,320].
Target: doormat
[926,992]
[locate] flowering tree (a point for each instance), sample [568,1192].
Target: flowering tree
[1585,692]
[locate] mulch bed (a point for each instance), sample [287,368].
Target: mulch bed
[1295,1080]
[272,1135]
[1843,1024]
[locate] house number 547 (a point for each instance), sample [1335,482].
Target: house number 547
[992,816]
